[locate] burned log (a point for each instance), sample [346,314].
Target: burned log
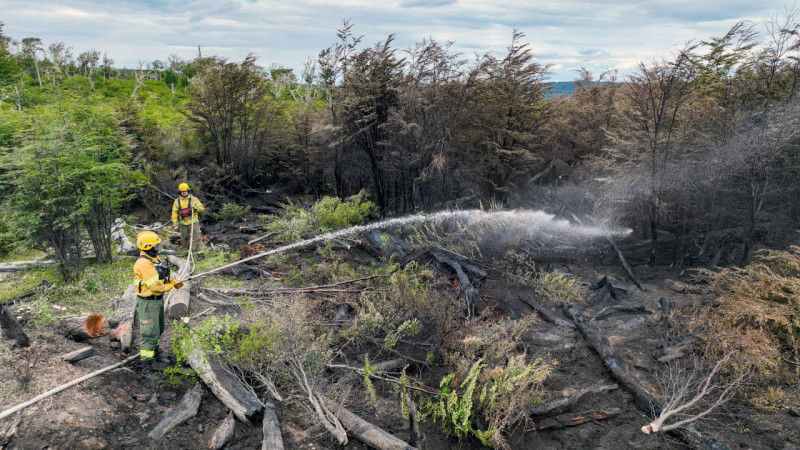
[12,330]
[571,420]
[187,409]
[176,302]
[625,265]
[79,354]
[364,431]
[547,315]
[271,430]
[604,290]
[608,310]
[122,319]
[84,326]
[223,383]
[646,401]
[563,404]
[416,436]
[224,433]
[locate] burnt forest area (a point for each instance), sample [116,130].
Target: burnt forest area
[406,252]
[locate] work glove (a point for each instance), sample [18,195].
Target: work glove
[177,284]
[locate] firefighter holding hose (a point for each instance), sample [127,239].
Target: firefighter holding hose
[184,217]
[152,280]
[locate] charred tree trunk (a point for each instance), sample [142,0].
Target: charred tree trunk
[364,431]
[12,329]
[224,385]
[646,401]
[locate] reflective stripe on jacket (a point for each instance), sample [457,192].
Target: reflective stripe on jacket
[146,277]
[190,201]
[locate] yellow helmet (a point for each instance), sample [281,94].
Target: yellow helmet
[147,240]
[183,187]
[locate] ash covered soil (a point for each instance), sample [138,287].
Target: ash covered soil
[119,408]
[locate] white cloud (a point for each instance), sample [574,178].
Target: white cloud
[565,34]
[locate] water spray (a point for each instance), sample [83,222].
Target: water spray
[537,222]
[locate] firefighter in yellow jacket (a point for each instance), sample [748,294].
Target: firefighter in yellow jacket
[184,216]
[152,280]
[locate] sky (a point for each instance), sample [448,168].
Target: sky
[567,35]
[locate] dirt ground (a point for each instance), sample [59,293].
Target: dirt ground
[119,408]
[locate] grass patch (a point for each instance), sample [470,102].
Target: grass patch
[92,292]
[27,255]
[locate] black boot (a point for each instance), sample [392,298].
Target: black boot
[159,358]
[147,372]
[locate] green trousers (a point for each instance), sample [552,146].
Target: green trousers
[151,324]
[197,239]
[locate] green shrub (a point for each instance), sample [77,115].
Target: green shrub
[232,211]
[495,395]
[333,214]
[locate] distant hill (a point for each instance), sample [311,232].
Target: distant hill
[561,88]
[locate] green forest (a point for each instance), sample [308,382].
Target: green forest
[697,153]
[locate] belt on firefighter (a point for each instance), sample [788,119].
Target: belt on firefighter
[151,297]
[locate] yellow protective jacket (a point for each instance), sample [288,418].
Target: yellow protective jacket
[146,277]
[183,204]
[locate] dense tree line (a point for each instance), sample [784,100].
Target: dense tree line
[696,152]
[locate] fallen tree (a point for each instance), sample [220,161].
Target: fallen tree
[642,397]
[223,383]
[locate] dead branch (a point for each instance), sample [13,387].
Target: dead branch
[547,315]
[625,264]
[79,354]
[58,389]
[271,430]
[329,420]
[253,241]
[608,310]
[11,431]
[187,409]
[396,381]
[697,391]
[468,292]
[224,433]
[564,403]
[364,431]
[212,301]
